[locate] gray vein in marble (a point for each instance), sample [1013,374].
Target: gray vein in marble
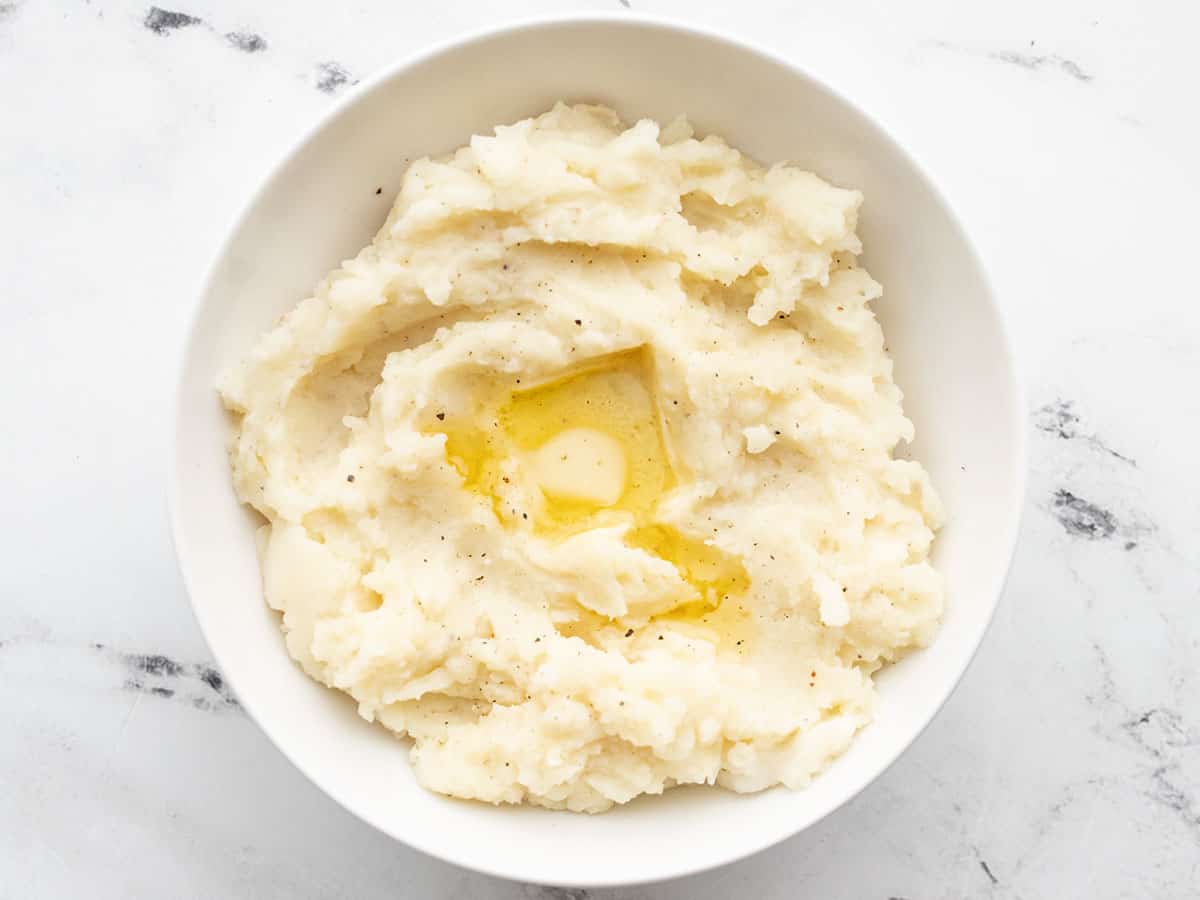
[331,76]
[987,870]
[7,10]
[1088,520]
[161,676]
[1059,419]
[164,21]
[1159,738]
[1082,518]
[1035,61]
[199,684]
[1070,795]
[543,892]
[246,41]
[1108,684]
[1160,734]
[1032,62]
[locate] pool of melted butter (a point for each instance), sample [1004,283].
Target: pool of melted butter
[593,441]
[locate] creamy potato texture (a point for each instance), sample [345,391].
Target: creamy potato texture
[581,475]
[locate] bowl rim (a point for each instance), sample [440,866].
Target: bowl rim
[446,851]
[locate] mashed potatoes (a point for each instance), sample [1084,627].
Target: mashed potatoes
[581,476]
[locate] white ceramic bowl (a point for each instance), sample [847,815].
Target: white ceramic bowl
[320,205]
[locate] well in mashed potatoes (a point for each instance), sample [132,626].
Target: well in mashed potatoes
[581,474]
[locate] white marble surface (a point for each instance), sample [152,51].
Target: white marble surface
[1068,762]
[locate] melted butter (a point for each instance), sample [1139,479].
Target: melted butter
[592,440]
[607,401]
[718,578]
[611,395]
[714,574]
[470,449]
[730,623]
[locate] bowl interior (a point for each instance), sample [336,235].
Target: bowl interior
[320,205]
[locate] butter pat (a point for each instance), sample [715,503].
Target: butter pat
[581,464]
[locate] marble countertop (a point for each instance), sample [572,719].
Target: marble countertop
[1068,762]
